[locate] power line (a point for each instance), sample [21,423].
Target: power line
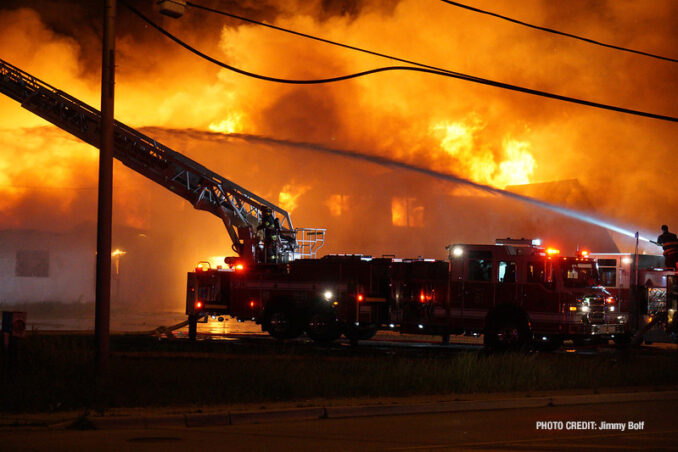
[316,38]
[557,32]
[444,73]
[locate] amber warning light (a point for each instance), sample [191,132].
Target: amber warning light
[203,266]
[552,251]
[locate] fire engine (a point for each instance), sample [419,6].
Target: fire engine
[646,290]
[512,292]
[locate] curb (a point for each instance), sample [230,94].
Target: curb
[304,414]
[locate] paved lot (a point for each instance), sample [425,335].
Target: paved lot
[513,429]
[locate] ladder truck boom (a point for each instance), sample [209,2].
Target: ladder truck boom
[240,210]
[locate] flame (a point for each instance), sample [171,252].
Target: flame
[42,164]
[471,157]
[289,195]
[232,124]
[415,117]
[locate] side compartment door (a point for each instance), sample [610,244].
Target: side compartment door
[479,295]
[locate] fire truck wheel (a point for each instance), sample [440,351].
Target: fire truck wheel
[367,333]
[281,323]
[549,345]
[507,333]
[363,333]
[323,326]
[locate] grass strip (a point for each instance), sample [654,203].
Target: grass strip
[56,373]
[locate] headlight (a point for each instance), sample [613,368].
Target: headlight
[585,308]
[328,295]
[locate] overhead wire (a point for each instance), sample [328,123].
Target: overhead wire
[316,38]
[558,32]
[440,72]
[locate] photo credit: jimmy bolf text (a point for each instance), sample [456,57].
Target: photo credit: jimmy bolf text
[590,425]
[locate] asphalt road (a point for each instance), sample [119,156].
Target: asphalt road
[514,429]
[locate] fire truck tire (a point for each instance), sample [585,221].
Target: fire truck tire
[552,344]
[367,333]
[323,326]
[507,332]
[363,333]
[282,323]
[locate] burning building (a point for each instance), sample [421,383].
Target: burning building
[482,134]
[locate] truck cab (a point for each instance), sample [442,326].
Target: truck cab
[643,287]
[515,292]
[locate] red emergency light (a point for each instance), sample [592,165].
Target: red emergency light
[360,297]
[252,304]
[198,305]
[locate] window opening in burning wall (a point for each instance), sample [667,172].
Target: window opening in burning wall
[338,204]
[32,263]
[407,212]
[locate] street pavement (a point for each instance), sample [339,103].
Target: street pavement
[566,427]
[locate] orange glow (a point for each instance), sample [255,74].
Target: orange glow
[573,308]
[289,196]
[198,304]
[252,304]
[239,267]
[203,266]
[338,204]
[422,298]
[485,134]
[552,251]
[407,212]
[610,300]
[360,297]
[118,253]
[584,253]
[232,124]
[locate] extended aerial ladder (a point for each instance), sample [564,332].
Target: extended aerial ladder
[240,210]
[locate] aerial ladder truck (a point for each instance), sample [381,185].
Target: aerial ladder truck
[240,210]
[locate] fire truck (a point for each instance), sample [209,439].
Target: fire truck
[646,290]
[513,292]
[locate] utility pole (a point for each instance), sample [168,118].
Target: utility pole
[102,311]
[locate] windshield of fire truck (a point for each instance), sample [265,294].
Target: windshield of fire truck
[578,273]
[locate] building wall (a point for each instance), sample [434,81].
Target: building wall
[69,275]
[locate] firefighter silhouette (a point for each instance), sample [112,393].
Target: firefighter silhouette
[669,242]
[271,227]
